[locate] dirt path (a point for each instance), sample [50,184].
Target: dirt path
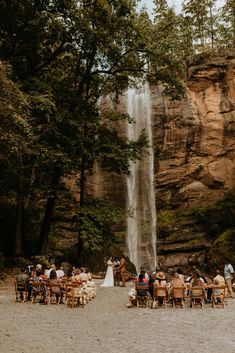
[105,325]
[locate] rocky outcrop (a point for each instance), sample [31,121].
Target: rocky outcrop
[195,148]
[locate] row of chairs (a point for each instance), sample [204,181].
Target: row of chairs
[178,295]
[70,291]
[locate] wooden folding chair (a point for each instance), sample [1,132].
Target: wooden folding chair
[160,296]
[218,296]
[37,291]
[73,295]
[20,291]
[197,296]
[142,295]
[178,294]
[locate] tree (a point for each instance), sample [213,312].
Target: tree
[167,59]
[197,10]
[227,24]
[16,134]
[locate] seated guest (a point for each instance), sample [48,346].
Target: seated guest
[160,279]
[83,275]
[141,283]
[219,279]
[217,291]
[144,274]
[45,272]
[60,272]
[76,276]
[177,281]
[133,292]
[55,287]
[197,280]
[42,288]
[180,273]
[52,267]
[151,285]
[23,277]
[154,273]
[160,293]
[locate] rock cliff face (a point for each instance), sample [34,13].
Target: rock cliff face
[194,142]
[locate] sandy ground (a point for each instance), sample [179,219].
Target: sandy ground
[106,325]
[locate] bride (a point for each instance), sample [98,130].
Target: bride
[109,277]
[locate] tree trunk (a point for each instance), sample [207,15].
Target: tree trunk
[82,199]
[46,225]
[19,235]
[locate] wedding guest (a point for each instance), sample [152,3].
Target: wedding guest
[52,267]
[219,278]
[83,275]
[177,281]
[22,277]
[180,273]
[160,279]
[228,275]
[42,288]
[60,272]
[154,273]
[55,287]
[132,295]
[197,280]
[144,273]
[76,277]
[151,285]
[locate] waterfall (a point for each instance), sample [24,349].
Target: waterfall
[141,223]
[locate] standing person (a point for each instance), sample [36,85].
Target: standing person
[122,269]
[116,264]
[109,277]
[228,275]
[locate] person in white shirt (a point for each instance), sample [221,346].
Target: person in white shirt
[228,275]
[60,272]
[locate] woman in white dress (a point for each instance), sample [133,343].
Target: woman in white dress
[109,277]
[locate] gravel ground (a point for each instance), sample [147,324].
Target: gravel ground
[106,325]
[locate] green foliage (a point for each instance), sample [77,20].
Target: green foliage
[226,238]
[15,128]
[97,218]
[168,218]
[227,25]
[167,64]
[202,16]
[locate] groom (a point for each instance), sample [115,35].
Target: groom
[122,270]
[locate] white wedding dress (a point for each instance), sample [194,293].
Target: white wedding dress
[109,277]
